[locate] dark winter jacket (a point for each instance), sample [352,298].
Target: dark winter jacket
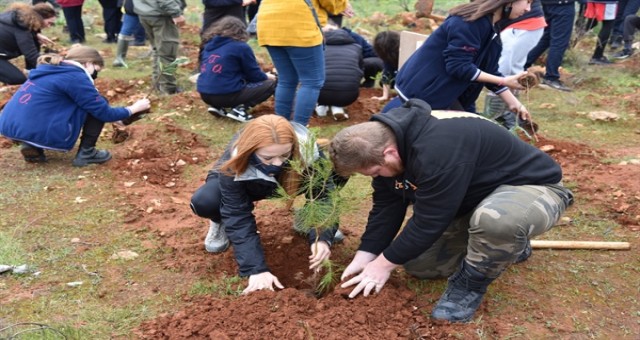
[238,194]
[367,49]
[445,67]
[343,69]
[227,66]
[452,161]
[221,3]
[18,36]
[128,8]
[50,108]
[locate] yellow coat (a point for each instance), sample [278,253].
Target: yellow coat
[291,23]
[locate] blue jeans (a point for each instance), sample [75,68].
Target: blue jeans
[131,27]
[303,65]
[556,38]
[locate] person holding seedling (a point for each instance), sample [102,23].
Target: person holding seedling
[262,157]
[479,195]
[461,57]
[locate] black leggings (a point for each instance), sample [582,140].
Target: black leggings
[603,36]
[250,96]
[10,74]
[90,132]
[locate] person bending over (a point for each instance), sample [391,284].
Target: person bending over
[479,195]
[252,167]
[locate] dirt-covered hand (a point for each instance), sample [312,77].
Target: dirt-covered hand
[320,251]
[261,281]
[358,263]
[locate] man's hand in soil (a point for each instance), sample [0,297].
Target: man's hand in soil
[261,281]
[374,275]
[320,251]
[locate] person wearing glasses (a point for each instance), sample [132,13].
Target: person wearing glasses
[251,169]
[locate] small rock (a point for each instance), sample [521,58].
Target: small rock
[75,283]
[75,240]
[124,255]
[23,269]
[547,148]
[5,268]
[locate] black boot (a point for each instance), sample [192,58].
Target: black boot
[463,295]
[32,154]
[91,155]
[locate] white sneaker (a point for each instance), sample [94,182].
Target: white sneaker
[339,113]
[218,111]
[216,240]
[321,110]
[240,114]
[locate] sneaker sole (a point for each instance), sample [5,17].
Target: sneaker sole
[238,119]
[85,162]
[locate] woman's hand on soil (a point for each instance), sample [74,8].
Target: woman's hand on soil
[262,281]
[320,251]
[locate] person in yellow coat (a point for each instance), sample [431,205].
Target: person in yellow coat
[296,49]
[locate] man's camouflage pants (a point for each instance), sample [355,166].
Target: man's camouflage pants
[495,233]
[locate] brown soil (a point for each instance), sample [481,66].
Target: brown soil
[151,171]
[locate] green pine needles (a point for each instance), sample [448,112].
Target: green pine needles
[323,205]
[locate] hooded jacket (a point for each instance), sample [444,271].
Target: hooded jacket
[343,69]
[238,194]
[18,29]
[227,66]
[445,68]
[452,161]
[50,108]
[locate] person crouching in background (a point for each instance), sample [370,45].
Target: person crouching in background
[231,80]
[58,100]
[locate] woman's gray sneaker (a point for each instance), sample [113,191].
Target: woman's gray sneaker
[216,240]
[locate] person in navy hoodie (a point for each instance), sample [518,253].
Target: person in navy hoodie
[231,80]
[57,102]
[450,69]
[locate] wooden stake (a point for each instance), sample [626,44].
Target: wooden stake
[542,244]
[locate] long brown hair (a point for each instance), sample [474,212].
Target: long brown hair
[264,131]
[479,8]
[81,54]
[32,17]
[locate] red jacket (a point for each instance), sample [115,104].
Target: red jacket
[70,3]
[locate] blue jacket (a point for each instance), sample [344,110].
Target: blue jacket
[238,194]
[452,161]
[227,66]
[50,108]
[445,67]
